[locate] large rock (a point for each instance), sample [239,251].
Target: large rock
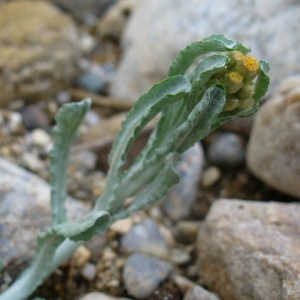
[158,30]
[25,212]
[274,147]
[250,250]
[39,50]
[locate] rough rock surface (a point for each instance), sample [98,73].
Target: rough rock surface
[250,250]
[274,148]
[39,49]
[158,30]
[25,212]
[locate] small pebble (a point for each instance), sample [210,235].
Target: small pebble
[210,177]
[32,162]
[63,97]
[40,138]
[197,292]
[227,150]
[81,256]
[179,256]
[147,238]
[186,231]
[92,118]
[122,226]
[15,122]
[142,274]
[89,271]
[101,296]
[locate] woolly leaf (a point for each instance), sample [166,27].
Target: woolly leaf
[262,81]
[68,120]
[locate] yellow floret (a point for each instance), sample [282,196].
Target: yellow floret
[235,77]
[250,63]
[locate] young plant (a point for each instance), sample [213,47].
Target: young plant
[197,96]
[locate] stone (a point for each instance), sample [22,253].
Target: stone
[181,197]
[81,256]
[250,250]
[85,11]
[39,50]
[115,19]
[158,30]
[142,274]
[227,150]
[89,271]
[146,238]
[186,231]
[100,296]
[35,116]
[274,146]
[197,292]
[41,138]
[25,212]
[179,256]
[210,176]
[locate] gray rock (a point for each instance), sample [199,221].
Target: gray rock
[85,11]
[181,197]
[25,211]
[100,296]
[142,274]
[227,150]
[274,146]
[39,50]
[91,82]
[250,250]
[197,292]
[158,30]
[146,238]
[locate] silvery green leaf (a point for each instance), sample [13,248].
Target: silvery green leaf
[214,43]
[146,108]
[199,121]
[165,178]
[93,223]
[68,120]
[262,81]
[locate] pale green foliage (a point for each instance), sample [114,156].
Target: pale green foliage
[196,98]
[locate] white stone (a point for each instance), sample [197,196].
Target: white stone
[250,250]
[158,30]
[274,148]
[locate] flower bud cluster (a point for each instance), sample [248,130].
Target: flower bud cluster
[238,79]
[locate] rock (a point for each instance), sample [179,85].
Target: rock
[146,238]
[114,21]
[181,197]
[250,250]
[81,257]
[39,50]
[100,296]
[89,271]
[35,116]
[210,176]
[158,30]
[85,11]
[186,231]
[227,150]
[91,82]
[179,256]
[15,122]
[121,226]
[41,138]
[142,274]
[25,212]
[197,292]
[274,146]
